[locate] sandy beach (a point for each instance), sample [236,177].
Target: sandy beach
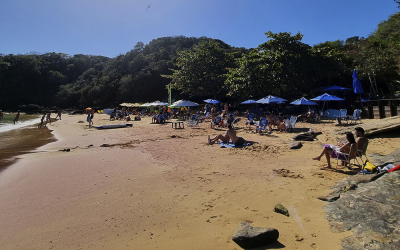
[154,187]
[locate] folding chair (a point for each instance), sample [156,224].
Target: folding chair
[216,122]
[347,157]
[343,115]
[362,153]
[356,116]
[262,126]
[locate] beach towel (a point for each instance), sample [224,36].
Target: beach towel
[232,145]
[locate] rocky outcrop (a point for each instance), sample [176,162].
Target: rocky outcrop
[371,210]
[393,158]
[374,127]
[247,236]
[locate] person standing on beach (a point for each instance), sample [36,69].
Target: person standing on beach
[213,113]
[16,118]
[48,118]
[42,120]
[91,117]
[59,114]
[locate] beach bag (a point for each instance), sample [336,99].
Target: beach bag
[369,166]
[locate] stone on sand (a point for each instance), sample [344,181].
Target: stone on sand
[279,208]
[295,145]
[247,236]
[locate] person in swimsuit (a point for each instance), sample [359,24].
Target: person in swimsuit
[229,135]
[16,118]
[330,151]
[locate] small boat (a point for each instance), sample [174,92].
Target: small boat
[113,126]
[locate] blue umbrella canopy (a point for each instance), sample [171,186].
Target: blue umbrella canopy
[327,97]
[303,101]
[335,88]
[211,101]
[248,102]
[271,99]
[357,84]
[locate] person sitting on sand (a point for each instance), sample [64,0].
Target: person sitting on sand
[128,118]
[137,117]
[16,119]
[229,135]
[332,151]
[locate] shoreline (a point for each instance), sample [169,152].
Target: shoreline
[22,141]
[156,187]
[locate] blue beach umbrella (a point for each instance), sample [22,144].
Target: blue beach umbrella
[327,97]
[211,101]
[271,99]
[357,84]
[249,102]
[335,88]
[303,101]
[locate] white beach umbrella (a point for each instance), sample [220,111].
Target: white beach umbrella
[158,103]
[183,103]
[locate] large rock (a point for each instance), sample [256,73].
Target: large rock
[373,127]
[393,158]
[247,236]
[371,212]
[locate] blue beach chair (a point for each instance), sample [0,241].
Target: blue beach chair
[262,126]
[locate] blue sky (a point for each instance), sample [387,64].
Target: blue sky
[113,27]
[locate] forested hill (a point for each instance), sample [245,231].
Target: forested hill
[203,68]
[57,79]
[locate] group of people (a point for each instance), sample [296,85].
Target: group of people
[350,147]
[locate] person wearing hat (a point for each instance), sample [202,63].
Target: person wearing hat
[1,114]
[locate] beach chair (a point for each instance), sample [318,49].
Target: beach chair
[356,116]
[262,126]
[216,122]
[192,120]
[347,157]
[161,118]
[342,116]
[292,122]
[362,153]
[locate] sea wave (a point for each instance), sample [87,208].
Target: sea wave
[10,126]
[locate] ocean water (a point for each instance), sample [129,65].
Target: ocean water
[7,123]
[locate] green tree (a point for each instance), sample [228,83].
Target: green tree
[281,66]
[201,70]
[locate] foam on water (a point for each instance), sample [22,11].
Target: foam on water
[8,126]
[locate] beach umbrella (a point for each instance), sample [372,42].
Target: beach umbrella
[183,103]
[357,84]
[211,101]
[303,101]
[333,88]
[326,98]
[145,105]
[249,102]
[158,103]
[271,99]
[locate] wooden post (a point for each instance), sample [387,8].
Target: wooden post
[370,110]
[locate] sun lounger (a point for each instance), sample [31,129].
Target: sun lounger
[216,122]
[262,126]
[356,116]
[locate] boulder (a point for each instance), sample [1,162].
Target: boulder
[295,145]
[371,212]
[373,127]
[247,236]
[280,209]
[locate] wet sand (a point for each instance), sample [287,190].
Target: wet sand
[154,187]
[22,141]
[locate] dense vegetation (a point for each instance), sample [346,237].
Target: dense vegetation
[203,68]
